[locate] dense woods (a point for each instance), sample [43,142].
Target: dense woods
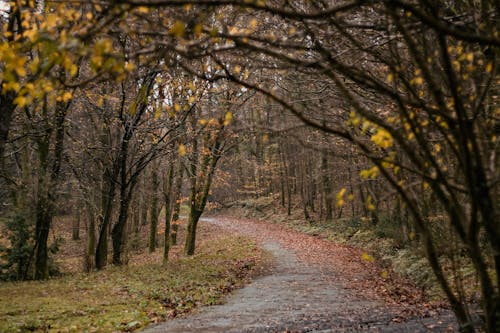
[117,113]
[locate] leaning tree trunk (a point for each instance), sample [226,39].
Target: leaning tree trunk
[101,253]
[194,217]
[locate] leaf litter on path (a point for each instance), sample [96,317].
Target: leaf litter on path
[314,286]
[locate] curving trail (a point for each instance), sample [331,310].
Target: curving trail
[314,286]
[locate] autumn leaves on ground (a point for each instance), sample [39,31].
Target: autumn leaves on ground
[145,292]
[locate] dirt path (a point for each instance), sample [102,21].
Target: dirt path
[315,286]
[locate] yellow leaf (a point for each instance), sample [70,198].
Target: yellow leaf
[73,70]
[31,34]
[489,67]
[227,118]
[390,77]
[51,21]
[253,23]
[418,80]
[14,86]
[129,66]
[237,69]
[382,138]
[182,150]
[384,274]
[371,173]
[66,96]
[246,75]
[366,257]
[177,107]
[20,101]
[178,29]
[198,29]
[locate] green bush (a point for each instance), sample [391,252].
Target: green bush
[16,258]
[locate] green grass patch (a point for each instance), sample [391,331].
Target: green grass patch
[129,297]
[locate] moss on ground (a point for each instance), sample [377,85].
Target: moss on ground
[128,298]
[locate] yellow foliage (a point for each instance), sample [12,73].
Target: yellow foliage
[340,197]
[369,203]
[198,29]
[129,66]
[20,101]
[227,118]
[65,97]
[382,138]
[14,86]
[182,150]
[489,67]
[371,173]
[366,257]
[178,29]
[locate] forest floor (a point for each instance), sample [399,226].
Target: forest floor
[314,285]
[126,298]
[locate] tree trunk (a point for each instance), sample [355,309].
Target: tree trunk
[101,253]
[75,234]
[89,256]
[153,226]
[117,233]
[48,181]
[168,212]
[177,197]
[43,222]
[194,217]
[327,187]
[7,108]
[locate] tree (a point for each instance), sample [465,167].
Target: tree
[416,81]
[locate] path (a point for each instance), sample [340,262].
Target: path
[302,293]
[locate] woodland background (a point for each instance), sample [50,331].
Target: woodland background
[367,113]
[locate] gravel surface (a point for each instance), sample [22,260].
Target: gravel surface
[308,289]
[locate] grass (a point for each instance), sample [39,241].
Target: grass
[128,298]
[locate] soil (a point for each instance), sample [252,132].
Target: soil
[314,286]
